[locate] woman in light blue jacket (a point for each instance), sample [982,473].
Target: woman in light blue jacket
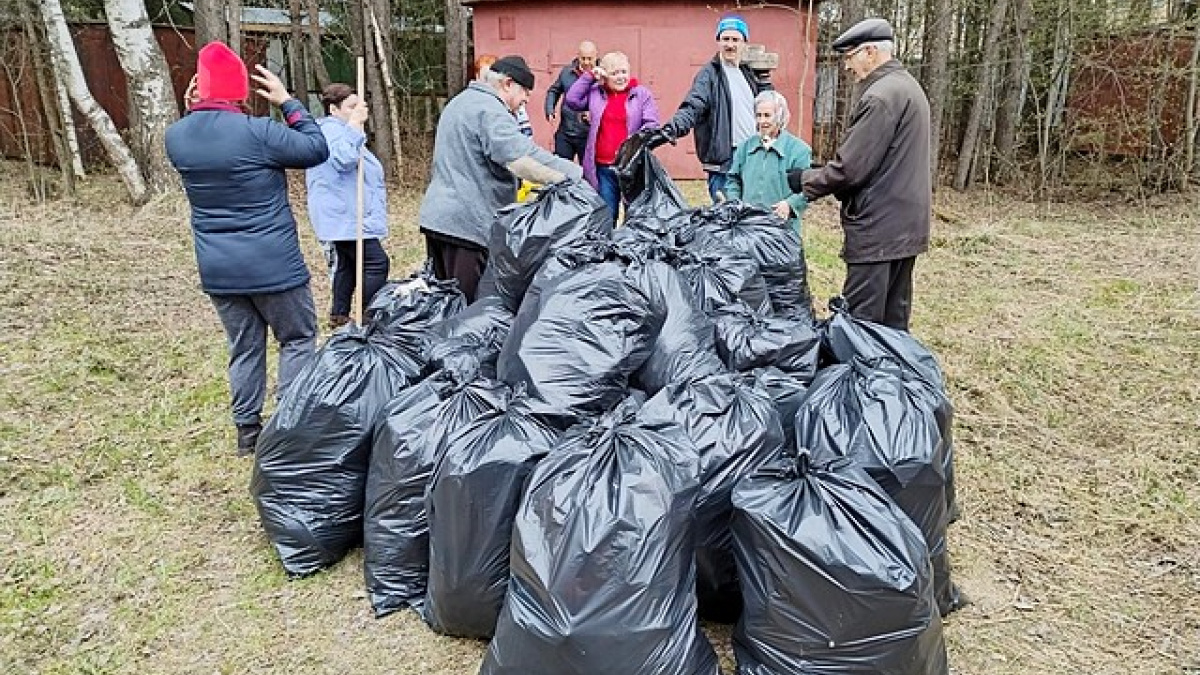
[333,197]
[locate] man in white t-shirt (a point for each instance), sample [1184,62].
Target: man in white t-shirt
[720,104]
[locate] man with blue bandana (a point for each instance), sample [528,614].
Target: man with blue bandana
[720,105]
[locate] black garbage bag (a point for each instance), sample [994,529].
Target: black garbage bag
[748,340]
[834,576]
[650,194]
[720,276]
[767,239]
[468,343]
[603,576]
[845,337]
[578,338]
[472,500]
[484,316]
[403,456]
[407,309]
[684,346]
[735,428]
[310,467]
[525,235]
[787,392]
[867,412]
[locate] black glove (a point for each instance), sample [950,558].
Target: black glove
[660,136]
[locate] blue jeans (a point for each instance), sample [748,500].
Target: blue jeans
[292,317]
[716,183]
[609,188]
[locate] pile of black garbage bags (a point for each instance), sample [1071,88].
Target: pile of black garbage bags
[629,431]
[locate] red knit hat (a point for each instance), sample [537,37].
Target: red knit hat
[222,74]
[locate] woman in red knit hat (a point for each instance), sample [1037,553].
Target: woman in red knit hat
[247,249]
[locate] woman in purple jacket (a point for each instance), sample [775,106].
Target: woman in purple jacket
[618,108]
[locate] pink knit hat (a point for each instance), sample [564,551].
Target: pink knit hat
[222,74]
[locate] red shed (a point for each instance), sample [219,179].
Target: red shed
[667,42]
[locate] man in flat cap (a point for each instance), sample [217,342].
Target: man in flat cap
[720,104]
[479,159]
[880,175]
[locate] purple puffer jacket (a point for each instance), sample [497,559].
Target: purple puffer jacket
[586,94]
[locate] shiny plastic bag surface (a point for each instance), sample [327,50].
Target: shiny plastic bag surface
[310,467]
[835,577]
[403,455]
[472,499]
[735,428]
[603,576]
[747,340]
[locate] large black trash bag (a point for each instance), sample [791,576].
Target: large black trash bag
[844,337]
[684,346]
[409,308]
[578,338]
[525,235]
[748,340]
[787,392]
[472,499]
[720,276]
[603,576]
[736,429]
[649,193]
[403,456]
[770,242]
[867,412]
[310,467]
[468,343]
[834,576]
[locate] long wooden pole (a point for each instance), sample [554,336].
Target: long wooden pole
[358,234]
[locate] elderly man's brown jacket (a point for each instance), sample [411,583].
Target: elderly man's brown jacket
[880,173]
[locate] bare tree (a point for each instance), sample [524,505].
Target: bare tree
[316,61]
[1192,136]
[1014,86]
[151,95]
[297,64]
[219,20]
[66,64]
[982,96]
[456,47]
[935,75]
[56,104]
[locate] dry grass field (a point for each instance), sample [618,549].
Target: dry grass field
[1070,335]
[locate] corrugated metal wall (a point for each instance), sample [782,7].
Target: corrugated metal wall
[23,128]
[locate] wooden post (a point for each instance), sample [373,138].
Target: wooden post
[358,236]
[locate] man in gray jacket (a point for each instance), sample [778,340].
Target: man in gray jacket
[880,174]
[479,158]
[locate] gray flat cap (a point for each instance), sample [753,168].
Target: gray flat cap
[867,30]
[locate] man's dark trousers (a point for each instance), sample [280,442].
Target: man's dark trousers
[569,148]
[881,292]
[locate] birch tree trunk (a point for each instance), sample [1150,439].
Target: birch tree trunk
[313,51]
[983,95]
[935,76]
[56,105]
[151,97]
[456,47]
[66,63]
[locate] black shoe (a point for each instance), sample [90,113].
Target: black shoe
[247,435]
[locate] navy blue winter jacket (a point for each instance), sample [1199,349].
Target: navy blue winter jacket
[232,166]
